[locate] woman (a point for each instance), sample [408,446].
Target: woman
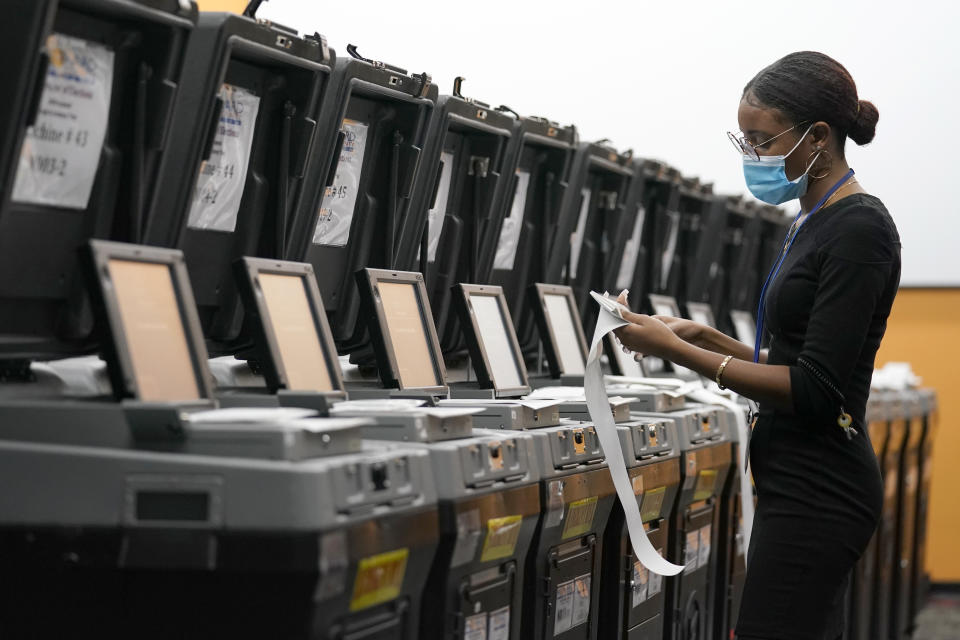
[825,306]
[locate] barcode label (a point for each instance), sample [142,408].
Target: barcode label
[640,582]
[704,555]
[691,552]
[564,616]
[476,627]
[581,600]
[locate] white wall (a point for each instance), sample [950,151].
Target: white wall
[665,78]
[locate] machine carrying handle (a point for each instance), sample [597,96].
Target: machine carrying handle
[337,148]
[252,7]
[212,129]
[283,178]
[139,153]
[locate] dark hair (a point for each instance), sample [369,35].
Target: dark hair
[807,86]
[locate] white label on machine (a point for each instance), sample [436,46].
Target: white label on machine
[340,198]
[704,555]
[61,151]
[628,264]
[655,581]
[666,259]
[438,212]
[581,601]
[512,225]
[691,551]
[468,535]
[476,627]
[640,581]
[499,628]
[564,616]
[576,240]
[216,199]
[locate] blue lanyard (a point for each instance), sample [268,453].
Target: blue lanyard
[784,250]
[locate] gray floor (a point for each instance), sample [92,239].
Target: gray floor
[940,619]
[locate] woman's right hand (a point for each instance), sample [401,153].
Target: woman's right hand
[686,330]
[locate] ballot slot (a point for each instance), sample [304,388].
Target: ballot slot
[78,163]
[558,319]
[491,339]
[466,158]
[242,130]
[528,232]
[294,348]
[358,213]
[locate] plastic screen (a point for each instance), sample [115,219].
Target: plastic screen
[295,329]
[154,330]
[562,318]
[408,335]
[496,343]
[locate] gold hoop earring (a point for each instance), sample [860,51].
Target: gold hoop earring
[818,153]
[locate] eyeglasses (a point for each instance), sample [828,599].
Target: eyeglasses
[750,150]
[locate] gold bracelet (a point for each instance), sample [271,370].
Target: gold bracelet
[723,365]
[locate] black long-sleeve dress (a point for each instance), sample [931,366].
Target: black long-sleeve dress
[819,493]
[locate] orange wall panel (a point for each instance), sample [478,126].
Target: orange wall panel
[924,330]
[236,6]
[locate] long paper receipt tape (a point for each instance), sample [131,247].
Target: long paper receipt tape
[599,407]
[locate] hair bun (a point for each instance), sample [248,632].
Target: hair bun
[864,126]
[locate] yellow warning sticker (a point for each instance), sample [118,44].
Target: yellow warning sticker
[502,535]
[379,579]
[652,504]
[706,483]
[580,517]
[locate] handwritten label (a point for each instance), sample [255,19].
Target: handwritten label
[340,198]
[219,191]
[61,151]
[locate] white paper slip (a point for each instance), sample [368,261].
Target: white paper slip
[61,151]
[512,225]
[556,393]
[385,404]
[610,304]
[219,190]
[340,198]
[598,405]
[438,212]
[258,415]
[499,628]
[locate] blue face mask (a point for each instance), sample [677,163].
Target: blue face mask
[767,177]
